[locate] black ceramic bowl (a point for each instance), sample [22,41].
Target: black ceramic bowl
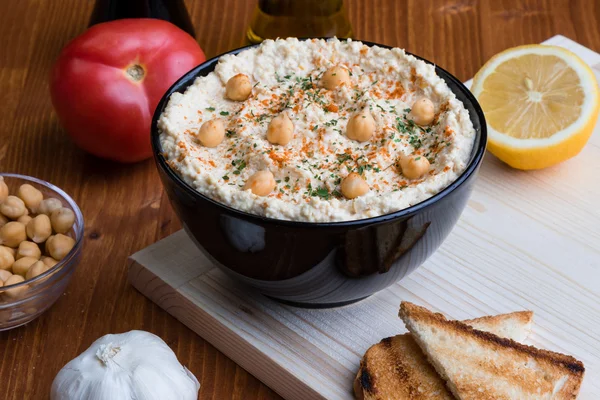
[319,264]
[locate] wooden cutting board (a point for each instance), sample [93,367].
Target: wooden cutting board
[527,240]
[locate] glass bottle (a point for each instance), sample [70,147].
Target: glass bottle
[173,11]
[298,18]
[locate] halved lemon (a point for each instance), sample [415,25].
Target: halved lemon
[540,102]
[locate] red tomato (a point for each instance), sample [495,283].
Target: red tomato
[107,83]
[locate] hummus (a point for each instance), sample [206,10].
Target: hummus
[308,170]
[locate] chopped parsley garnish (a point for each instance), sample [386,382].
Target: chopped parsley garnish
[224,113]
[261,118]
[333,122]
[225,178]
[411,123]
[409,127]
[321,192]
[306,83]
[363,168]
[343,157]
[414,141]
[406,110]
[230,133]
[239,166]
[210,108]
[287,179]
[401,126]
[359,94]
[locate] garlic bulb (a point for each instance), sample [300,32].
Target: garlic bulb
[135,365]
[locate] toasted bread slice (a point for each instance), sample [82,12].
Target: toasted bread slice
[396,368]
[515,325]
[479,365]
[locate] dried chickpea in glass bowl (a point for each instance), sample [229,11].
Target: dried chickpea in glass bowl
[41,234]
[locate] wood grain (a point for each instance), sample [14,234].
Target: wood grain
[124,206]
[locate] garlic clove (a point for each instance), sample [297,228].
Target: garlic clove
[132,365]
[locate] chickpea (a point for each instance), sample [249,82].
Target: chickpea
[24,219]
[21,266]
[10,250]
[31,196]
[62,220]
[3,220]
[7,259]
[4,275]
[414,167]
[13,207]
[422,111]
[281,130]
[15,292]
[59,245]
[12,234]
[238,88]
[361,126]
[354,186]
[28,249]
[49,261]
[335,76]
[36,269]
[3,189]
[49,205]
[211,133]
[39,228]
[261,183]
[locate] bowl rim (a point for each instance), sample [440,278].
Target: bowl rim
[79,231]
[187,79]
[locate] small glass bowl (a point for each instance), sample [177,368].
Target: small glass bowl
[43,290]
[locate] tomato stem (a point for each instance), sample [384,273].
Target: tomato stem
[135,72]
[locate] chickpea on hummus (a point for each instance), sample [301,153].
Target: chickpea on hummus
[318,131]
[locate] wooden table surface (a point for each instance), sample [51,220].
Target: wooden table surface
[124,206]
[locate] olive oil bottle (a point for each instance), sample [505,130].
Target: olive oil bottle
[299,18]
[173,11]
